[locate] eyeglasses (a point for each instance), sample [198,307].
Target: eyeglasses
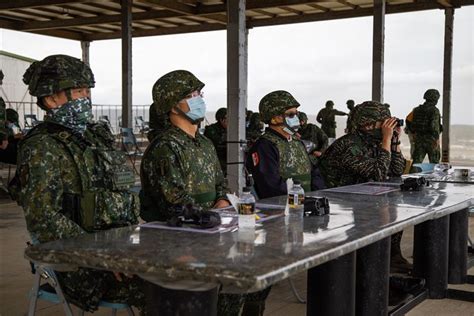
[195,94]
[291,115]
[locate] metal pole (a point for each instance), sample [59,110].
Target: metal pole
[331,287]
[430,255]
[378,50]
[85,48]
[447,74]
[236,91]
[373,267]
[126,7]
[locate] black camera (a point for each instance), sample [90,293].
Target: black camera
[316,206]
[400,122]
[413,184]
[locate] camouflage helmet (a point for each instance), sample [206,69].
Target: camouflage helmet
[302,116]
[221,114]
[172,88]
[12,116]
[366,113]
[431,95]
[56,73]
[329,103]
[350,102]
[276,103]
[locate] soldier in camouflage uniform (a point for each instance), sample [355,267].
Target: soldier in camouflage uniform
[275,157]
[71,179]
[180,167]
[426,128]
[217,133]
[3,118]
[158,123]
[369,152]
[327,118]
[254,128]
[311,132]
[350,107]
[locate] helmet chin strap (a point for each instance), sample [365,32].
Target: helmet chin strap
[182,113]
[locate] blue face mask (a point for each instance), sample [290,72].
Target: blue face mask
[292,124]
[197,109]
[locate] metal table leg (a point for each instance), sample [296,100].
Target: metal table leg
[458,232]
[168,302]
[331,287]
[430,255]
[373,267]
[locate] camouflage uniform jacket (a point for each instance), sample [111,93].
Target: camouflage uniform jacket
[315,135]
[273,159]
[351,160]
[327,118]
[3,120]
[178,169]
[70,185]
[426,122]
[218,135]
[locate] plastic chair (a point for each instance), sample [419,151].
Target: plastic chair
[130,146]
[51,292]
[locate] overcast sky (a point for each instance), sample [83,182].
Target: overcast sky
[314,61]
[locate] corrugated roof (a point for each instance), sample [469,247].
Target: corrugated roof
[91,20]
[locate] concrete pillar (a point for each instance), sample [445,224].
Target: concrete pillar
[378,50]
[126,7]
[447,76]
[236,91]
[85,45]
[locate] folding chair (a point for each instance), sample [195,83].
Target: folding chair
[141,125]
[130,146]
[51,292]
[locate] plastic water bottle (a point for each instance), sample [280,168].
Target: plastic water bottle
[296,196]
[246,209]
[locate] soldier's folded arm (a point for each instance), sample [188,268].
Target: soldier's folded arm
[397,164]
[43,192]
[170,177]
[372,168]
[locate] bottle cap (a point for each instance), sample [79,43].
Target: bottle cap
[247,189]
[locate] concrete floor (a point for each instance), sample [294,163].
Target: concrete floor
[16,279]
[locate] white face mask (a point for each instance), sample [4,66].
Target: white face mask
[197,109]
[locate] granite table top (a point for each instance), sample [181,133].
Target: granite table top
[251,259]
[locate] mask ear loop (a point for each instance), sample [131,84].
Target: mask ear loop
[68,94]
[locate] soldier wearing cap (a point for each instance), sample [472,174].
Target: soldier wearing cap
[217,133]
[369,152]
[311,132]
[67,177]
[327,118]
[426,128]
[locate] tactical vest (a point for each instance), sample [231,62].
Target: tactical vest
[105,200]
[294,161]
[422,120]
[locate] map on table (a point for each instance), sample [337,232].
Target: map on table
[368,188]
[229,220]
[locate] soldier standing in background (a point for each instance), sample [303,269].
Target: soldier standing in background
[426,127]
[254,129]
[67,178]
[327,118]
[217,133]
[311,132]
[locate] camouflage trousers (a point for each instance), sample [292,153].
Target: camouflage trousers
[330,131]
[86,287]
[425,146]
